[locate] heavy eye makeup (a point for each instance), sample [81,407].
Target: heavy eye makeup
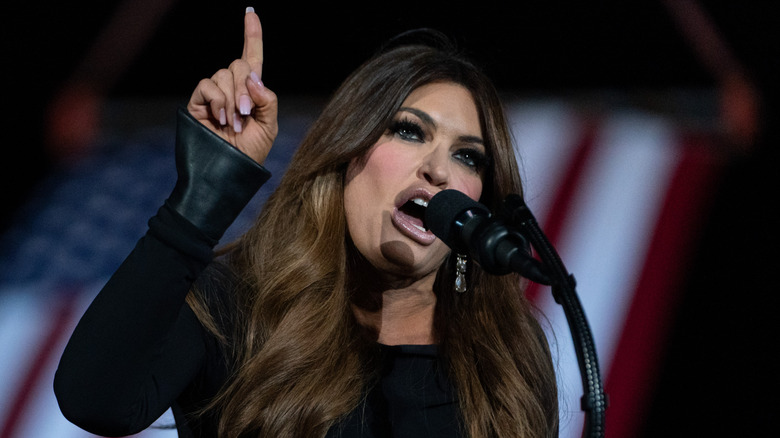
[411,130]
[472,158]
[407,129]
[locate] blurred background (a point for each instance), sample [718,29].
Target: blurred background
[646,133]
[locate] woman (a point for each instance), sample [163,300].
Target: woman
[336,313]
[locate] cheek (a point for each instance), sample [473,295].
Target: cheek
[368,192]
[470,185]
[381,163]
[388,162]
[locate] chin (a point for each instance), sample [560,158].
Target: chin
[399,258]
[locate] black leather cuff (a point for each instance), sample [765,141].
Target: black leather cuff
[215,180]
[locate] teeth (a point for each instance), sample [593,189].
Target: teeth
[420,202]
[420,228]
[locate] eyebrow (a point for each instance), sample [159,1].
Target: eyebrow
[428,120]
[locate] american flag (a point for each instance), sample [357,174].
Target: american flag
[617,192]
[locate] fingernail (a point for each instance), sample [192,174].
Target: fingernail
[249,9]
[222,117]
[237,123]
[244,105]
[256,79]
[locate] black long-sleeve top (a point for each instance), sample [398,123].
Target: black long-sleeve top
[139,350]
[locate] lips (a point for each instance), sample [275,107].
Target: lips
[408,216]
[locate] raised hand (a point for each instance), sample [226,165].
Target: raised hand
[235,104]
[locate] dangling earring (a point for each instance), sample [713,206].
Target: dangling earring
[460,273]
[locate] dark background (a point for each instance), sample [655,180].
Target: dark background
[719,372]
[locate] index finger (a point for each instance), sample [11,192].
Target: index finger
[253,41]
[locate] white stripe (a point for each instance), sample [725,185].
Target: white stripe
[42,416]
[22,326]
[546,135]
[606,236]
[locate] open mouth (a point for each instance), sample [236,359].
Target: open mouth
[409,215]
[414,210]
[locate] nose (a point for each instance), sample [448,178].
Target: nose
[435,168]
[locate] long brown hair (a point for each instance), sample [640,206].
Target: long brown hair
[301,362]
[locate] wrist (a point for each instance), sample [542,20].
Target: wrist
[215,180]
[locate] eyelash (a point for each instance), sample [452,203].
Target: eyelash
[408,130]
[472,158]
[411,131]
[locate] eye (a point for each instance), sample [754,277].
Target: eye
[408,130]
[472,158]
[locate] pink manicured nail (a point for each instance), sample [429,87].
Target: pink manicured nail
[244,105]
[222,117]
[237,123]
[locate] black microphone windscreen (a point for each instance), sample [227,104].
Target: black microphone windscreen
[444,208]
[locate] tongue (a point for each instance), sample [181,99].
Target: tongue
[413,213]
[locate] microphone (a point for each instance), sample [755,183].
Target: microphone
[467,226]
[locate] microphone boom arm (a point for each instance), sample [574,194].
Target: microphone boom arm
[594,400]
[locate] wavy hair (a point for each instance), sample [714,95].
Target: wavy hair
[301,362]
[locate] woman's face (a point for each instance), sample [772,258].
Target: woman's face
[434,143]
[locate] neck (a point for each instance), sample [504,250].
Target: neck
[398,315]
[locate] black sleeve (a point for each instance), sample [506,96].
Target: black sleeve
[138,345]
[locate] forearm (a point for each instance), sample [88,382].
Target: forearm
[109,376]
[138,345]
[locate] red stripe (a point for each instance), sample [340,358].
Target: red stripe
[561,206]
[633,371]
[60,320]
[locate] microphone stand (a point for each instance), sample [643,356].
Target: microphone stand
[594,400]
